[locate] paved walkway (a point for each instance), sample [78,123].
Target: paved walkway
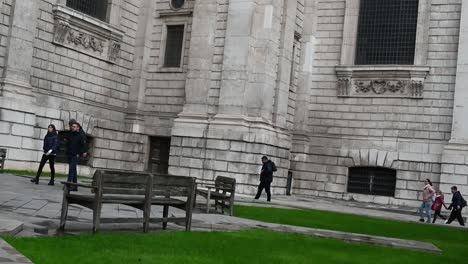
[37,209]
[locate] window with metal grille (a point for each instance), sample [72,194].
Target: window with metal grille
[372,180]
[387,32]
[94,8]
[174,45]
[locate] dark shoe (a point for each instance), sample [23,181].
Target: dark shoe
[73,189]
[36,181]
[51,183]
[421,220]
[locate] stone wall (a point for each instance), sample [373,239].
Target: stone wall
[413,131]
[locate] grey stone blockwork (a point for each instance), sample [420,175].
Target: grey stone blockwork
[256,78]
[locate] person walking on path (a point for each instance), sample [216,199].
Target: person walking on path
[456,206]
[76,146]
[426,205]
[437,205]
[266,177]
[50,148]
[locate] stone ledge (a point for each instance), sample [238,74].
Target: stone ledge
[388,81]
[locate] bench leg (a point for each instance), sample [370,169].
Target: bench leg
[165,214]
[96,216]
[208,197]
[146,218]
[188,218]
[63,216]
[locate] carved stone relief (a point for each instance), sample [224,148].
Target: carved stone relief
[405,81]
[95,38]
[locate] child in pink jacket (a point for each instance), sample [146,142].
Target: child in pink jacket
[437,205]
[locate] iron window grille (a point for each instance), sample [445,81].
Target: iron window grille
[387,32]
[372,181]
[94,8]
[174,45]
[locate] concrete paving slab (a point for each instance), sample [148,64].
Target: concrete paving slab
[9,255]
[10,227]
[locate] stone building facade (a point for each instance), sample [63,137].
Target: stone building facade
[206,87]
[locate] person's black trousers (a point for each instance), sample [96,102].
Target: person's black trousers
[264,185]
[437,213]
[456,214]
[45,158]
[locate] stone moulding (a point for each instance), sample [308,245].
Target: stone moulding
[396,81]
[85,34]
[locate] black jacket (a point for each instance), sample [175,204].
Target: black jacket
[266,174]
[51,142]
[456,200]
[76,144]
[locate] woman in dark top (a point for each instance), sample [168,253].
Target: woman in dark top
[50,147]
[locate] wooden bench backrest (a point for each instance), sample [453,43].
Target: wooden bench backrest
[171,185]
[122,182]
[226,183]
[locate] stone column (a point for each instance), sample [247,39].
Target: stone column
[139,74]
[283,82]
[251,58]
[455,155]
[300,139]
[15,81]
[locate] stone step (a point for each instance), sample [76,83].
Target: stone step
[10,227]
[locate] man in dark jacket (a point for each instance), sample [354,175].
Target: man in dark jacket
[456,206]
[76,146]
[266,177]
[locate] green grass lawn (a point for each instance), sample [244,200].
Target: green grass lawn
[253,246]
[206,248]
[453,242]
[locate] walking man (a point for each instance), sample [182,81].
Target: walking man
[457,205]
[76,146]
[266,177]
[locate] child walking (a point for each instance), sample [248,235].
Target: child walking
[437,205]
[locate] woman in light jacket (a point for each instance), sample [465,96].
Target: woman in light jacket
[426,205]
[50,147]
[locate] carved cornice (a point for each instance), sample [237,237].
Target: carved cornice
[381,81]
[85,34]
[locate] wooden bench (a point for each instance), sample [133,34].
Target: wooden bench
[177,192]
[2,158]
[111,187]
[136,189]
[222,192]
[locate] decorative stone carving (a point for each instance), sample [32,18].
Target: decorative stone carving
[114,51]
[61,30]
[380,86]
[381,81]
[344,86]
[86,35]
[85,40]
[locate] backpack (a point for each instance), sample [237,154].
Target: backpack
[463,202]
[273,166]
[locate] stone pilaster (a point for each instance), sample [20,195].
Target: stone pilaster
[140,66]
[455,155]
[15,82]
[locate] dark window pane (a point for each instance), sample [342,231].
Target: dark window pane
[174,43]
[94,8]
[387,31]
[372,181]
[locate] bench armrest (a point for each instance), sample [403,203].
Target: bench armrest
[78,185]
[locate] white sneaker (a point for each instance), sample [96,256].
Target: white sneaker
[446,221]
